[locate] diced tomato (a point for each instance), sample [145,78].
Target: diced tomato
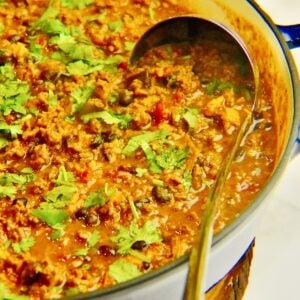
[83,176]
[159,114]
[123,66]
[177,96]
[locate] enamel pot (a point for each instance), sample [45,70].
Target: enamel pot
[268,46]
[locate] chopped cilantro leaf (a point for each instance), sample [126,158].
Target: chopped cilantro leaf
[135,142]
[172,158]
[9,179]
[151,158]
[14,94]
[94,238]
[7,72]
[191,116]
[80,96]
[13,130]
[52,98]
[115,26]
[60,195]
[8,191]
[122,270]
[108,117]
[3,142]
[36,51]
[24,245]
[187,180]
[49,13]
[53,27]
[5,294]
[95,199]
[127,236]
[59,230]
[64,177]
[140,172]
[64,41]
[82,252]
[76,4]
[51,217]
[129,46]
[82,68]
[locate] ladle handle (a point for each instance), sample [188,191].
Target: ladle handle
[291,34]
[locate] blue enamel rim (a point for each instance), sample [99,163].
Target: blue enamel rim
[294,138]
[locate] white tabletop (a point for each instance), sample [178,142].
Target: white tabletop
[275,272]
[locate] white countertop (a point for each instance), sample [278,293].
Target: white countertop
[275,271]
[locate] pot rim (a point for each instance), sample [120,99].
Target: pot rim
[254,205]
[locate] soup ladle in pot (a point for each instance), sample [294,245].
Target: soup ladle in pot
[190,28]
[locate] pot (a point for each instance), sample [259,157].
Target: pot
[278,72]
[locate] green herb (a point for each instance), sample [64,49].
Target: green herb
[50,13]
[52,98]
[73,291]
[12,130]
[9,179]
[24,245]
[151,158]
[7,72]
[95,199]
[7,244]
[14,94]
[50,216]
[109,118]
[216,86]
[140,172]
[94,238]
[8,191]
[60,196]
[53,27]
[82,68]
[58,232]
[158,182]
[122,270]
[3,142]
[85,267]
[5,294]
[135,142]
[127,236]
[187,180]
[129,46]
[36,51]
[73,4]
[82,252]
[64,177]
[191,116]
[115,26]
[133,209]
[172,158]
[80,96]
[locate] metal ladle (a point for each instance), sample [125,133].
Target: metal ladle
[189,28]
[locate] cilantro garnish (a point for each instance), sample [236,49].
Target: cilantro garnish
[24,245]
[53,27]
[64,177]
[8,191]
[127,236]
[80,96]
[3,142]
[109,118]
[94,238]
[59,230]
[172,158]
[115,26]
[76,4]
[95,199]
[122,270]
[82,68]
[36,51]
[82,252]
[51,216]
[12,130]
[191,116]
[135,142]
[5,293]
[187,179]
[7,72]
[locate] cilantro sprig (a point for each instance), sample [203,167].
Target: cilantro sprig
[121,270]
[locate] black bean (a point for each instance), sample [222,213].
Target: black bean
[81,213]
[92,219]
[162,194]
[125,98]
[15,38]
[97,141]
[146,265]
[138,245]
[106,250]
[108,136]
[20,200]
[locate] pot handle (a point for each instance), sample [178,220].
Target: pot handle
[291,34]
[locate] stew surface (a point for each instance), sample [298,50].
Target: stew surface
[105,167]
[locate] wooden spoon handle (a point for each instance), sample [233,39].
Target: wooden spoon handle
[195,287]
